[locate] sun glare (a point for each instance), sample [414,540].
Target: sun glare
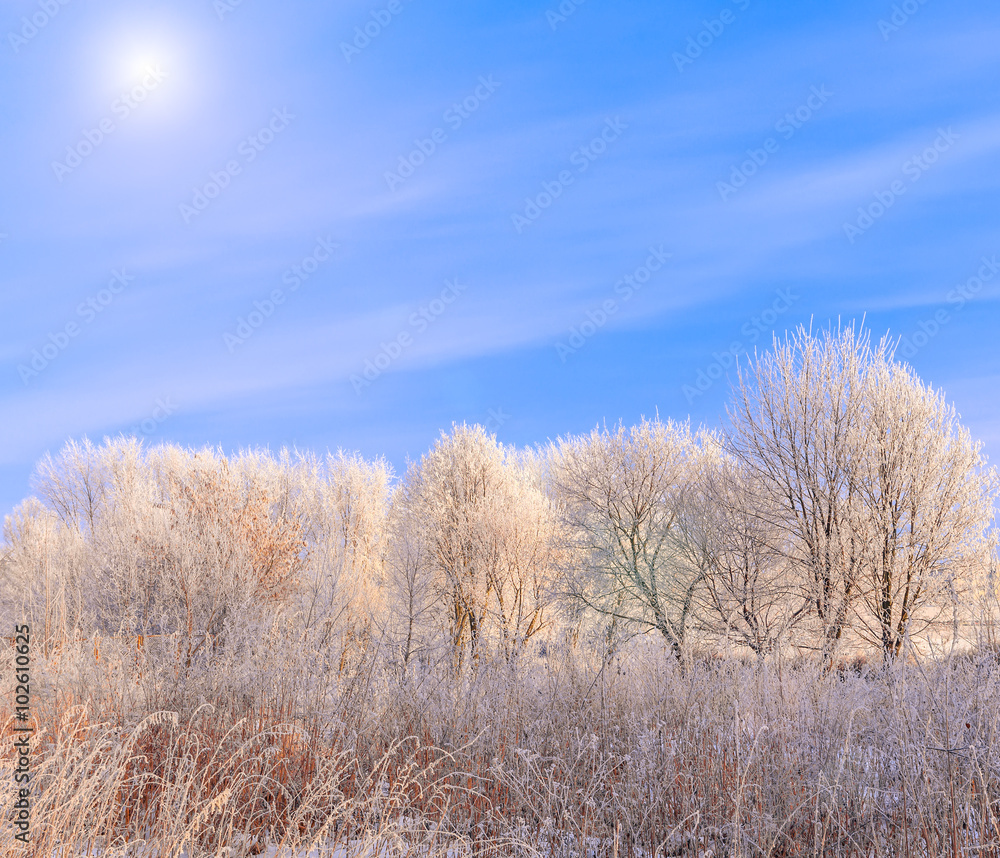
[141,63]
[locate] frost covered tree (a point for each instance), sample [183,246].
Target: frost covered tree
[41,573]
[796,422]
[885,502]
[413,606]
[927,501]
[749,597]
[218,552]
[482,534]
[176,542]
[343,502]
[622,493]
[77,484]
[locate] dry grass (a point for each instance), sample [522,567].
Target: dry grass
[559,757]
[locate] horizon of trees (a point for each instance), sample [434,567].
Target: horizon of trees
[845,508]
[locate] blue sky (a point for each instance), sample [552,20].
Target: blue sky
[278,201]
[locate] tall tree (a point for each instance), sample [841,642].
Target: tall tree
[622,492]
[886,502]
[926,503]
[796,422]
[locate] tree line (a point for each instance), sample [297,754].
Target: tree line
[842,506]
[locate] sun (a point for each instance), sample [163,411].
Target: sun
[142,57]
[141,62]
